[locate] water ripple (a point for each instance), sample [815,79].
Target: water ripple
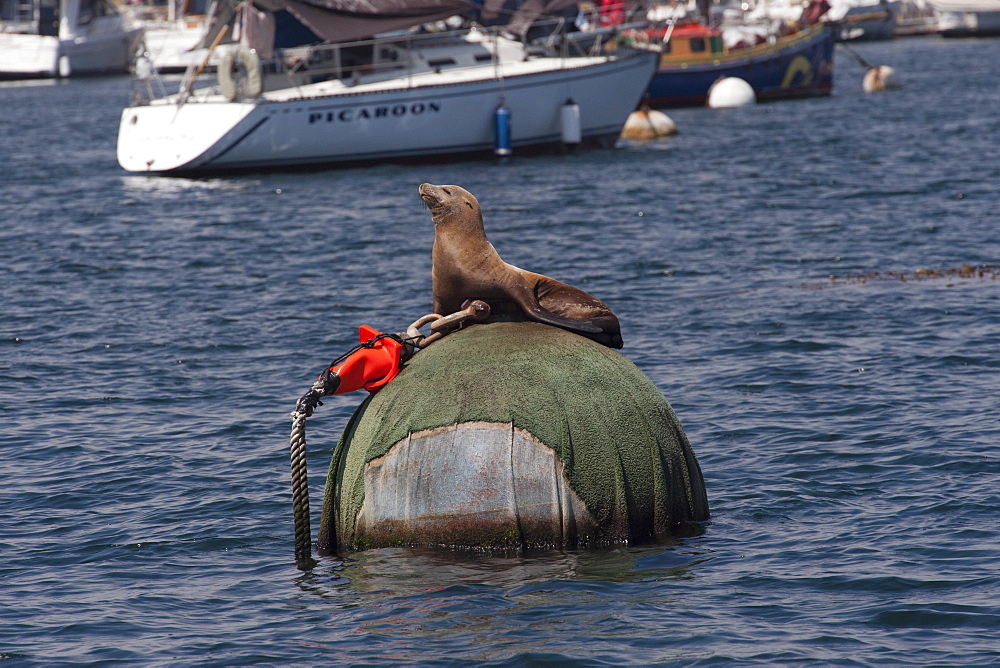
[794,285]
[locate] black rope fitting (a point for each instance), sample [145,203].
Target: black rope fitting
[330,382]
[308,402]
[326,385]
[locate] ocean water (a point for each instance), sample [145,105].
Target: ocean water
[789,275]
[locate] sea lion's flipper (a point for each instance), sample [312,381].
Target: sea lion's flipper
[580,307]
[611,333]
[605,330]
[584,326]
[525,295]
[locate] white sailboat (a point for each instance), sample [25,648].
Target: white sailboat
[173,33]
[61,38]
[405,96]
[864,19]
[968,18]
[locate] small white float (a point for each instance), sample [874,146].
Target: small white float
[730,92]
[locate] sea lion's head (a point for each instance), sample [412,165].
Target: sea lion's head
[446,202]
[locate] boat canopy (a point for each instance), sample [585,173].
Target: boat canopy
[266,24]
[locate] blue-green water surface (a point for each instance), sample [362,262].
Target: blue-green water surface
[155,334]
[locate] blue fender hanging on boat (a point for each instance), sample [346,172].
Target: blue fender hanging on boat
[502,125]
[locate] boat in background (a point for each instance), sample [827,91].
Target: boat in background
[62,38]
[404,95]
[864,21]
[795,63]
[916,17]
[861,20]
[173,32]
[968,18]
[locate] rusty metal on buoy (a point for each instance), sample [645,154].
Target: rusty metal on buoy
[645,124]
[879,78]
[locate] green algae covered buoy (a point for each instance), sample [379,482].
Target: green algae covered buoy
[512,435]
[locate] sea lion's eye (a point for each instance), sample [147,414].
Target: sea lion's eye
[468,204]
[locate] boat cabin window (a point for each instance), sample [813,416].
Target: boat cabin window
[39,17]
[93,9]
[387,54]
[389,57]
[697,44]
[48,17]
[16,11]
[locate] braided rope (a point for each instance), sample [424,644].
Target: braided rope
[326,385]
[300,475]
[300,493]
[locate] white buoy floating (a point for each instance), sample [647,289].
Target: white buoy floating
[645,124]
[879,78]
[730,92]
[569,118]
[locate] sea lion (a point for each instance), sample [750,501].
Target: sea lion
[466,266]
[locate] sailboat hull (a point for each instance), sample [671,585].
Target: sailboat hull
[422,117]
[792,67]
[968,18]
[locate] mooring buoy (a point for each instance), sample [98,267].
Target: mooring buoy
[512,435]
[645,124]
[730,92]
[879,78]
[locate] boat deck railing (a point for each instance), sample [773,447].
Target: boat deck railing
[393,56]
[19,25]
[369,60]
[381,57]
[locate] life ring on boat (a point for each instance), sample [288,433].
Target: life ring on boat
[799,65]
[240,74]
